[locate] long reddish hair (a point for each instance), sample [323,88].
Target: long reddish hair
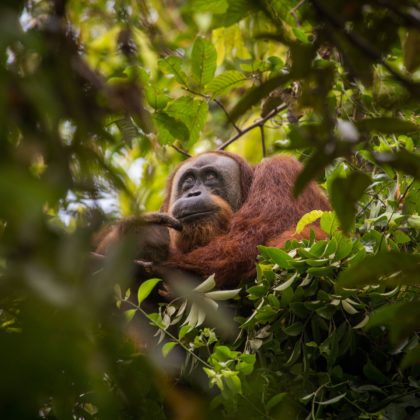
[268,210]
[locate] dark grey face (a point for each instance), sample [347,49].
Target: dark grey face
[195,181]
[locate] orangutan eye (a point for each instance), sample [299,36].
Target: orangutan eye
[188,182]
[210,176]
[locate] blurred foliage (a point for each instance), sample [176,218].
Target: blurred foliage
[97,98]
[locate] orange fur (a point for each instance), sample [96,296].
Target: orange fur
[200,233]
[268,211]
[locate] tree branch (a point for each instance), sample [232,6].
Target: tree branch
[179,150]
[264,151]
[259,123]
[293,11]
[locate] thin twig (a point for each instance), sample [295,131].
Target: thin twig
[141,263]
[222,107]
[293,11]
[264,151]
[260,122]
[179,150]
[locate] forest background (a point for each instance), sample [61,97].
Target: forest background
[100,100]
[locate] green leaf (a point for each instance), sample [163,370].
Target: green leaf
[129,315]
[278,398]
[401,161]
[203,61]
[155,98]
[168,347]
[403,319]
[374,374]
[411,358]
[146,288]
[329,222]
[344,247]
[390,268]
[286,284]
[233,382]
[387,125]
[307,219]
[191,112]
[183,331]
[224,82]
[213,6]
[320,271]
[401,237]
[257,291]
[295,354]
[277,255]
[294,329]
[414,221]
[172,65]
[170,128]
[156,320]
[314,166]
[362,323]
[384,315]
[345,192]
[320,262]
[237,10]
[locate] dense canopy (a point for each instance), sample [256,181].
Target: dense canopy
[100,100]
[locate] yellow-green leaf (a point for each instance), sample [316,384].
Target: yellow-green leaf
[307,219]
[146,288]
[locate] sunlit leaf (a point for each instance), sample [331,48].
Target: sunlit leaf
[203,61]
[307,219]
[166,349]
[170,128]
[214,6]
[172,65]
[145,289]
[192,113]
[224,82]
[278,256]
[278,398]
